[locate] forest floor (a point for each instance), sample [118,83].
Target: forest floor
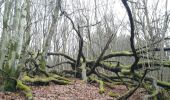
[79,90]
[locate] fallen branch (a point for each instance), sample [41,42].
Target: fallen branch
[44,80]
[66,62]
[61,54]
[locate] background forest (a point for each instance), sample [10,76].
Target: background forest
[106,42]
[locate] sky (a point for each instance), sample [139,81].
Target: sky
[112,8]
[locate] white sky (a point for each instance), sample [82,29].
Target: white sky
[115,8]
[108,7]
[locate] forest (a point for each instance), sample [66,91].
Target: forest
[84,50]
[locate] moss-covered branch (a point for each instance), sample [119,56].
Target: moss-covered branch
[44,80]
[159,83]
[118,54]
[154,91]
[101,84]
[25,89]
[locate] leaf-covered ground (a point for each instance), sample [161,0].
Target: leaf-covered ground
[76,91]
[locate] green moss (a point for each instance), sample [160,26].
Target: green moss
[167,63]
[111,94]
[163,84]
[23,87]
[160,83]
[125,71]
[168,98]
[42,63]
[108,64]
[101,86]
[100,82]
[45,80]
[126,52]
[122,52]
[25,78]
[59,77]
[147,86]
[112,65]
[9,84]
[61,82]
[29,96]
[26,90]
